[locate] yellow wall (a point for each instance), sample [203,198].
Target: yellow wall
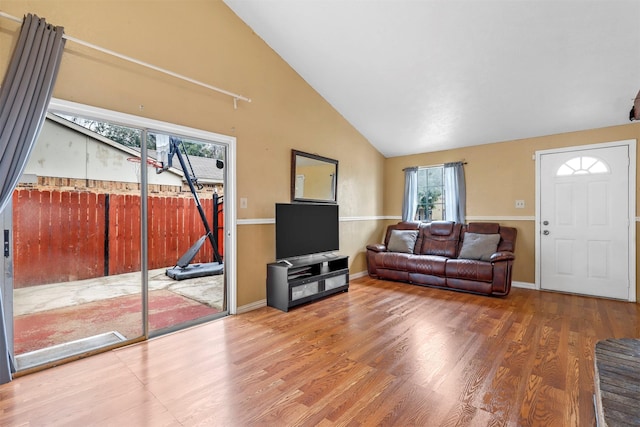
[206,41]
[498,174]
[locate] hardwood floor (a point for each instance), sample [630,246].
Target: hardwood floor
[382,354]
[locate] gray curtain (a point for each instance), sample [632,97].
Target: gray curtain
[410,201]
[455,192]
[24,97]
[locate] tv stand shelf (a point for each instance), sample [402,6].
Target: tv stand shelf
[306,279]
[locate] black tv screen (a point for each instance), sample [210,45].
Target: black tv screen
[305,229]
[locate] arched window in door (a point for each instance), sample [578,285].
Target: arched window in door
[582,165]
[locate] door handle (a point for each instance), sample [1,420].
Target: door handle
[545,232]
[6,243]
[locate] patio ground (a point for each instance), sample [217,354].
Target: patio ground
[54,314]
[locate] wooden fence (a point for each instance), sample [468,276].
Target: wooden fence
[62,236]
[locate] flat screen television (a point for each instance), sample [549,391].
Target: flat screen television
[305,229]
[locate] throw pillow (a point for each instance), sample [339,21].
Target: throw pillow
[479,246]
[402,241]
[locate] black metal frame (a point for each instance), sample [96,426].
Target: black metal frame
[174,149]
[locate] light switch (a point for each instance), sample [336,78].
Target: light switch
[519,204]
[243,203]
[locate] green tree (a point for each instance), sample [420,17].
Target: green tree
[200,149]
[131,137]
[427,200]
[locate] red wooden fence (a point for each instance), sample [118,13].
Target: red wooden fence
[63,236]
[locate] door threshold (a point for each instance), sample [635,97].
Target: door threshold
[64,350]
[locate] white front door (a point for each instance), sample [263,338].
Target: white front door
[584,221]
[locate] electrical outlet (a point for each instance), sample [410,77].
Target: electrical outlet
[243,203]
[519,204]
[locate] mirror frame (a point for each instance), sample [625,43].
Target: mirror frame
[295,154]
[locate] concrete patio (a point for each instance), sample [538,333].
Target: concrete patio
[207,290]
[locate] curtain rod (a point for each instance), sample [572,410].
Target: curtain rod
[432,166]
[235,96]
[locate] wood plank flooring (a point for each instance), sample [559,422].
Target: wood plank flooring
[382,354]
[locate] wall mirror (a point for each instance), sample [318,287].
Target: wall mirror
[313,178]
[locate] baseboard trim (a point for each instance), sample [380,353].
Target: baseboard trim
[524,285]
[263,303]
[250,307]
[358,275]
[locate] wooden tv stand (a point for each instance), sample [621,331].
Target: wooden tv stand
[306,279]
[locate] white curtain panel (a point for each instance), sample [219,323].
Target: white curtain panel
[455,192]
[410,201]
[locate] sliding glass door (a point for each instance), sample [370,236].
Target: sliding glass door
[185,231]
[77,283]
[116,233]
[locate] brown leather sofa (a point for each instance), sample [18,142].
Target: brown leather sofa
[439,257]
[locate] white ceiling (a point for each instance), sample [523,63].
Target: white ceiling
[416,76]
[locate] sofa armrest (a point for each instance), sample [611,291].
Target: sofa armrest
[372,251]
[502,256]
[377,247]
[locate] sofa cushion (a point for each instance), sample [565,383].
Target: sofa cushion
[439,238]
[404,225]
[442,228]
[479,246]
[392,260]
[427,264]
[483,227]
[402,241]
[467,269]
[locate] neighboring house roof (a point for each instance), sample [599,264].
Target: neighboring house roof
[205,169]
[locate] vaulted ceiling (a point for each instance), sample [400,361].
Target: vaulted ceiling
[416,76]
